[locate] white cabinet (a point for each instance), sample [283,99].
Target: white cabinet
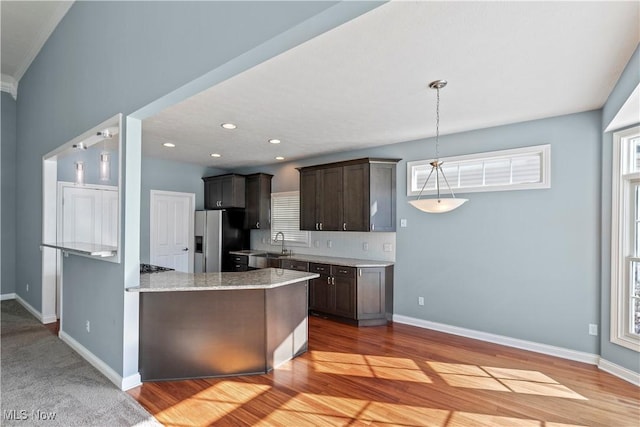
[89,215]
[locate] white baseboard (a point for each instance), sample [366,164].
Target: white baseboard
[29,308]
[122,383]
[551,350]
[5,297]
[33,311]
[564,353]
[619,371]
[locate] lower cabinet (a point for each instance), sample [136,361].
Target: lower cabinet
[239,262]
[363,296]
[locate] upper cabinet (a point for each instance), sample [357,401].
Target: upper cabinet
[258,201]
[224,191]
[356,195]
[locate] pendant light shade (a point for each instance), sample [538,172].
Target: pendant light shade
[105,166]
[438,204]
[79,173]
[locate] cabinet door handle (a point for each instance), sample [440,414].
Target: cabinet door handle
[344,226]
[328,280]
[360,272]
[258,224]
[373,227]
[333,280]
[317,226]
[320,226]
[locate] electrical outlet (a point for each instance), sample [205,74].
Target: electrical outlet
[387,247]
[27,287]
[365,246]
[593,329]
[420,300]
[403,222]
[88,326]
[329,244]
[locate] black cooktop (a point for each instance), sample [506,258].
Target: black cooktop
[148,268]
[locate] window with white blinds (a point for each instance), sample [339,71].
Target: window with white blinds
[517,169]
[285,218]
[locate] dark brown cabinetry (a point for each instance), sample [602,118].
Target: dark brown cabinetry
[258,201]
[356,195]
[224,191]
[363,296]
[239,262]
[293,264]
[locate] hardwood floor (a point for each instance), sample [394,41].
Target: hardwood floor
[401,375]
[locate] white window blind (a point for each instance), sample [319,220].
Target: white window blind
[285,218]
[517,169]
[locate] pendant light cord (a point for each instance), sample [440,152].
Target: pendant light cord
[437,124]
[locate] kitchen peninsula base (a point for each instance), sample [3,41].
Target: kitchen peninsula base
[222,332]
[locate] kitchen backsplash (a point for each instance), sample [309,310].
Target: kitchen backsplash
[373,246]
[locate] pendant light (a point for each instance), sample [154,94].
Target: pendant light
[439,204]
[105,156]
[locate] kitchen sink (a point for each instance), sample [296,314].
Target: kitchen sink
[261,260]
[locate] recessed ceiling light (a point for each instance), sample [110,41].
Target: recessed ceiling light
[228,126]
[274,141]
[168,144]
[216,155]
[279,158]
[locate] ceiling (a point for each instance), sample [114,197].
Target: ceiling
[364,83]
[26,26]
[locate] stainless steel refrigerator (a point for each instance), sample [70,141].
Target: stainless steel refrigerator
[216,233]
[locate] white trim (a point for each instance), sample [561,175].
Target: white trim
[122,383]
[6,297]
[545,173]
[619,371]
[29,308]
[619,184]
[550,350]
[10,85]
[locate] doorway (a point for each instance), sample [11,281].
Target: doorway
[172,229]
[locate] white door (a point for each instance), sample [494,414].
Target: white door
[171,230]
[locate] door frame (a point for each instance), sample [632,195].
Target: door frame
[192,203]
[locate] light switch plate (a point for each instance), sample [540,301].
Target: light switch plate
[403,222]
[387,247]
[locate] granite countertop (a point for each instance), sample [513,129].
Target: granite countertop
[347,262]
[265,278]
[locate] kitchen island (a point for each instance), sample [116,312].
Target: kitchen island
[221,324]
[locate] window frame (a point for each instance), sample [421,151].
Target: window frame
[543,150]
[305,234]
[623,254]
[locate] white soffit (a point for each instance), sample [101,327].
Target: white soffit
[364,83]
[26,26]
[629,114]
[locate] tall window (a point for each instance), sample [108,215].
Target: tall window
[285,218]
[516,169]
[625,240]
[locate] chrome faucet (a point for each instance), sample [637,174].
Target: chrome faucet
[280,233]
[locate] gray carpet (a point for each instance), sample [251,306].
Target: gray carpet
[41,375]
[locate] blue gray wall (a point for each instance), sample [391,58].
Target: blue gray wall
[158,174]
[86,74]
[8,206]
[628,81]
[523,264]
